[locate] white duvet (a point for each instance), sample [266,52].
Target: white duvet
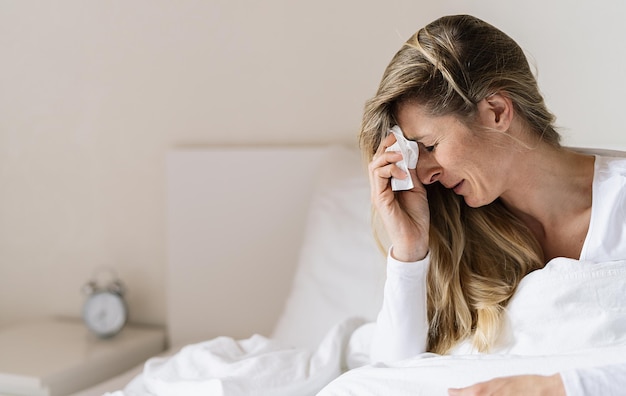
[569,315]
[255,366]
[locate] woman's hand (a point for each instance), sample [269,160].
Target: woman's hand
[405,214]
[526,385]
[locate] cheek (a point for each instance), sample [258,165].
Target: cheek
[451,158]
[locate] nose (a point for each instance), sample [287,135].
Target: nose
[428,169]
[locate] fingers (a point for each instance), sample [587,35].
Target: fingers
[384,165]
[482,388]
[387,142]
[463,392]
[404,214]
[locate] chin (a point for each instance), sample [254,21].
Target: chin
[473,202]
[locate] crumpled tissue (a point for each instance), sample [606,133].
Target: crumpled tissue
[410,155]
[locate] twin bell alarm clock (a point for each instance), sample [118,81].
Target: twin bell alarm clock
[105,311]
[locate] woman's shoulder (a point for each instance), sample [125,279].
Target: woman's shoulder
[599,152]
[611,166]
[608,162]
[606,239]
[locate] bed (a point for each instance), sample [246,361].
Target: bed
[274,280]
[282,233]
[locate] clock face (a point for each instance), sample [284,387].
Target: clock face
[105,313]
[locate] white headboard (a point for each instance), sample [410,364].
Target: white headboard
[235,223]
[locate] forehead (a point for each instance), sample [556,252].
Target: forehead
[417,123]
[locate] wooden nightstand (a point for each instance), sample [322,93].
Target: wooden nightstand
[59,356]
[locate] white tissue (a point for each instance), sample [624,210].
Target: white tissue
[410,154]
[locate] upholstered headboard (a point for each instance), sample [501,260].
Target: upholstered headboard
[235,221]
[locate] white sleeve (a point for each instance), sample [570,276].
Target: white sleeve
[607,380]
[402,324]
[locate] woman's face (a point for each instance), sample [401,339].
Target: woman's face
[472,163]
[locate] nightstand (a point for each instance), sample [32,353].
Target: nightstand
[59,356]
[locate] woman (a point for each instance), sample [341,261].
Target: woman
[495,198]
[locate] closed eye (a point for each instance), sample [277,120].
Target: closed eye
[428,149]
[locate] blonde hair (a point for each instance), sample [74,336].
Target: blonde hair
[478,255]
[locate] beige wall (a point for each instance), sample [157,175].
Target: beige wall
[93,93]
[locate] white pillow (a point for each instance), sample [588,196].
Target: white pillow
[341,271]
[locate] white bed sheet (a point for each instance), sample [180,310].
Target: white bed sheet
[255,366]
[585,326]
[121,380]
[432,375]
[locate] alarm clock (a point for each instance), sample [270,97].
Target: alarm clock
[105,311]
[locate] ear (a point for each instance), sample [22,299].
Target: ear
[496,111]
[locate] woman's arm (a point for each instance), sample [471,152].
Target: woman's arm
[402,324]
[519,385]
[607,380]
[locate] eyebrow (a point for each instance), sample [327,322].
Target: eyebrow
[415,139]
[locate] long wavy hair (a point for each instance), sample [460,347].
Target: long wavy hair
[478,255]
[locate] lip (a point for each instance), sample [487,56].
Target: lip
[457,187]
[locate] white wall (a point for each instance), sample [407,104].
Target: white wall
[93,93]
